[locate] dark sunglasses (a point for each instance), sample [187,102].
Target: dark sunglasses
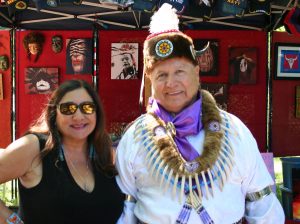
[70,108]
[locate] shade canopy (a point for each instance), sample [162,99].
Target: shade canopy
[91,13]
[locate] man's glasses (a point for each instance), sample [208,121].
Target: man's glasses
[70,108]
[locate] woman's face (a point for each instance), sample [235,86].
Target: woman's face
[175,83]
[77,126]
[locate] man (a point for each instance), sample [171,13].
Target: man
[185,160]
[129,69]
[79,56]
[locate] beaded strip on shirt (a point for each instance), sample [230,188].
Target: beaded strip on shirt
[166,164]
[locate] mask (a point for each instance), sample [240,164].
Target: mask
[57,44]
[3,62]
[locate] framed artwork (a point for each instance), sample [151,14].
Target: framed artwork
[79,56]
[297,106]
[242,65]
[208,61]
[1,88]
[124,60]
[41,80]
[287,61]
[219,91]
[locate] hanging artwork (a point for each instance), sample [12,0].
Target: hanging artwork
[208,61]
[297,102]
[79,56]
[41,80]
[1,88]
[242,65]
[56,43]
[124,60]
[4,64]
[219,91]
[287,61]
[33,44]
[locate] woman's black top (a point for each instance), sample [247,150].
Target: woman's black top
[57,199]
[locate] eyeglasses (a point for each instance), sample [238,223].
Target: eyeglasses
[70,108]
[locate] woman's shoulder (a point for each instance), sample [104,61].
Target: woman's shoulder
[40,137]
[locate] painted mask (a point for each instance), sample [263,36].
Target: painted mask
[57,44]
[3,62]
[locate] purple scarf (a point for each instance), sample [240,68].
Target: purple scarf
[187,123]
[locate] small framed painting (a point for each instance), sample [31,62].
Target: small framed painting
[219,92]
[208,61]
[242,65]
[124,60]
[287,61]
[79,56]
[41,80]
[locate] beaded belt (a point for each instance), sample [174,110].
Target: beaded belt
[241,221]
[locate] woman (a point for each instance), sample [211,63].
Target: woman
[65,163]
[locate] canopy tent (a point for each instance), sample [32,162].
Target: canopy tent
[90,13]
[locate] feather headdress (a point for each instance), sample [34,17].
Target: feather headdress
[166,40]
[164,19]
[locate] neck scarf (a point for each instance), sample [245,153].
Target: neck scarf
[186,123]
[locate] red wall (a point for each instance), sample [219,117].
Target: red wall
[29,106]
[285,126]
[120,97]
[5,104]
[248,102]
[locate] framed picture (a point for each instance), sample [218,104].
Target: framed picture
[219,92]
[41,80]
[297,106]
[287,61]
[79,56]
[208,61]
[124,60]
[1,88]
[242,65]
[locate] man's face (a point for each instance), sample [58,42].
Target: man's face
[33,48]
[175,83]
[3,63]
[56,44]
[77,52]
[126,60]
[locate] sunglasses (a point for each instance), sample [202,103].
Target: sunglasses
[70,108]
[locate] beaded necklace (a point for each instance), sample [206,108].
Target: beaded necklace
[196,178]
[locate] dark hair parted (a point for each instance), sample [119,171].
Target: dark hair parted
[34,37]
[99,138]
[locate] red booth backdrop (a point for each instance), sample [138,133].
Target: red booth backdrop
[29,106]
[120,97]
[5,103]
[285,128]
[247,101]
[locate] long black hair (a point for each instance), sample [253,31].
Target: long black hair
[99,138]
